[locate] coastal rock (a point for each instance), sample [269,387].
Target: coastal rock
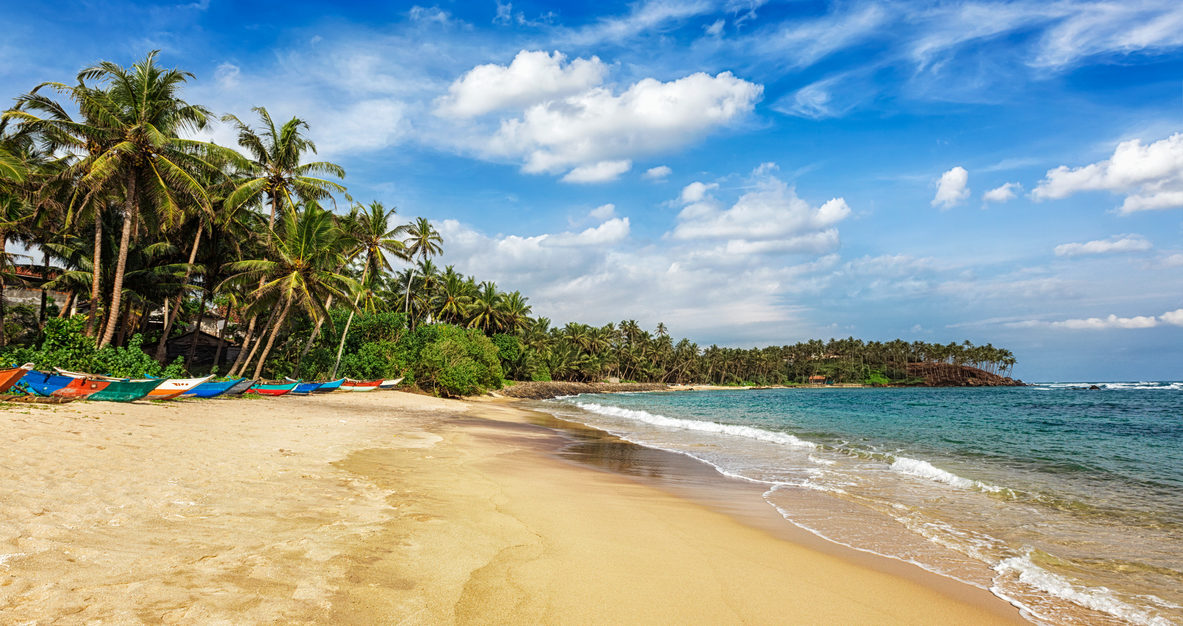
[950,375]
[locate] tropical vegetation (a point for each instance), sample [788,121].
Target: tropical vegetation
[147,233]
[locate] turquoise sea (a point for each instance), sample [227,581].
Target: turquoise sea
[1066,502]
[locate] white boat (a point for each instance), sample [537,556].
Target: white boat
[390,383]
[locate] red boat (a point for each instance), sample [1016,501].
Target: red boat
[8,378]
[360,385]
[271,389]
[81,388]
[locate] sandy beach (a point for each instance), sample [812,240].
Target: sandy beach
[390,507]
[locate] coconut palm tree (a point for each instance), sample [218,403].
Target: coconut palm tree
[424,241]
[298,271]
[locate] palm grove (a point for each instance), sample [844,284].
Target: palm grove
[151,232]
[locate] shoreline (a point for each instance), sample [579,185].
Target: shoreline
[361,507]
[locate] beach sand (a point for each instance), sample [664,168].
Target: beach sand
[389,507]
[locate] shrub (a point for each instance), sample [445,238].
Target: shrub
[454,361]
[65,345]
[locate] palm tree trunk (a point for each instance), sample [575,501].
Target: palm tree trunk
[271,339]
[3,268]
[129,218]
[196,332]
[344,334]
[161,350]
[126,317]
[95,282]
[44,291]
[69,305]
[315,333]
[221,338]
[257,341]
[408,305]
[246,344]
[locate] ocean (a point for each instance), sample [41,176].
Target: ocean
[1066,502]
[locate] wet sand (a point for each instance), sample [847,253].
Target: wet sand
[389,507]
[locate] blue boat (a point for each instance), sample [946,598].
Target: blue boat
[210,389]
[304,389]
[332,385]
[42,383]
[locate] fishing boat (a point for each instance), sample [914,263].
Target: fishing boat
[126,390]
[49,385]
[271,389]
[360,385]
[332,385]
[211,389]
[303,388]
[10,377]
[173,387]
[390,383]
[240,387]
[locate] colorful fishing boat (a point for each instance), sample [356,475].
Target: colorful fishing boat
[173,387]
[212,389]
[360,385]
[240,388]
[10,377]
[390,383]
[57,386]
[303,388]
[271,389]
[126,390]
[332,385]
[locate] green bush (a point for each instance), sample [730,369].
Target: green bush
[64,344]
[452,361]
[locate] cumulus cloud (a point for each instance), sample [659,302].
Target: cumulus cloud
[601,172]
[532,77]
[603,212]
[1174,260]
[1114,244]
[1105,323]
[771,218]
[1003,193]
[1151,176]
[599,125]
[951,188]
[658,173]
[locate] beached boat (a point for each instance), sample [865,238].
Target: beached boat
[49,385]
[10,377]
[126,390]
[271,389]
[360,385]
[173,387]
[390,383]
[240,387]
[332,385]
[303,388]
[212,389]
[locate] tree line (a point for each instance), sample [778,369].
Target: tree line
[150,231]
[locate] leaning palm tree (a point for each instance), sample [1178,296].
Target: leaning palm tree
[278,172]
[371,237]
[423,240]
[130,143]
[298,270]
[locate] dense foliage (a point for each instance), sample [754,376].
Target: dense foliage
[152,234]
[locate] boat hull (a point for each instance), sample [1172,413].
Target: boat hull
[304,389]
[211,389]
[43,383]
[268,389]
[390,383]
[330,386]
[125,390]
[10,377]
[174,387]
[360,385]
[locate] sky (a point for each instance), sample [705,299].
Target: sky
[750,172]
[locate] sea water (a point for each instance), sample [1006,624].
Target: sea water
[1065,501]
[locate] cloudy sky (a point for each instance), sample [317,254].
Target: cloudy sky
[749,172]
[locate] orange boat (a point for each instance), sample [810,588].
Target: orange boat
[8,378]
[81,388]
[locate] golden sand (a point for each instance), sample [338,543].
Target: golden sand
[389,507]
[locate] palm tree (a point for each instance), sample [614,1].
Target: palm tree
[371,236]
[422,240]
[485,310]
[298,270]
[277,172]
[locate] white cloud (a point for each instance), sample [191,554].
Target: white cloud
[658,173]
[226,75]
[715,29]
[428,14]
[1151,176]
[611,231]
[603,212]
[769,219]
[1116,243]
[1101,27]
[1173,317]
[644,16]
[695,191]
[1174,260]
[601,172]
[597,125]
[951,188]
[1003,193]
[532,77]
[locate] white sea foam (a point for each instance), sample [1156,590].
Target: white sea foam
[5,558]
[733,430]
[1126,385]
[1099,599]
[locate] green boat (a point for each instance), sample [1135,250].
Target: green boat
[126,390]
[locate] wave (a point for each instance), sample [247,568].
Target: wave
[924,469]
[1117,386]
[733,430]
[1023,570]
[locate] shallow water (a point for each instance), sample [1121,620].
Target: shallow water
[1064,501]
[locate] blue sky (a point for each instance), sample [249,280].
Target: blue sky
[749,172]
